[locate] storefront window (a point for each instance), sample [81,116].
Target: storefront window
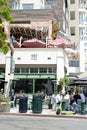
[17,70]
[24,70]
[42,70]
[33,70]
[2,70]
[51,70]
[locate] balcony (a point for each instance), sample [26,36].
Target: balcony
[74,66]
[74,63]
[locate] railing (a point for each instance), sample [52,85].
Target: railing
[74,63]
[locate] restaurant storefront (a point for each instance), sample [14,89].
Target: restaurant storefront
[32,79]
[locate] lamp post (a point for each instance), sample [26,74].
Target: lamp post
[11,63]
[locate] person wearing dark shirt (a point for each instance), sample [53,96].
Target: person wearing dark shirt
[76,97]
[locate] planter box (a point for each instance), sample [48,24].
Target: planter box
[4,107]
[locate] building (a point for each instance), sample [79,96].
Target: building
[60,7]
[78,30]
[33,19]
[29,68]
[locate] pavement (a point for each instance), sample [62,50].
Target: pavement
[45,113]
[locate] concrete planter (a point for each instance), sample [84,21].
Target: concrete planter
[4,107]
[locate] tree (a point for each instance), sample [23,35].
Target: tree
[55,29]
[5,15]
[64,82]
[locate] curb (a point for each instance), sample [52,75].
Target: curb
[45,115]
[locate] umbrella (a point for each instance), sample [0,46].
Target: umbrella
[82,83]
[71,53]
[33,43]
[82,75]
[81,79]
[61,42]
[16,44]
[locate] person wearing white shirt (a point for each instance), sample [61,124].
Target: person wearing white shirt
[58,100]
[83,99]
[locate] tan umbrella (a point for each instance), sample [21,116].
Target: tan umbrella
[33,43]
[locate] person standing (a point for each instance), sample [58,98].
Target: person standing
[83,99]
[58,101]
[77,96]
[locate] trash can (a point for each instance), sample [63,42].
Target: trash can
[23,104]
[63,105]
[37,103]
[83,112]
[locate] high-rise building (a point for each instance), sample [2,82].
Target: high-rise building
[78,29]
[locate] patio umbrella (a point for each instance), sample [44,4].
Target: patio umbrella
[16,44]
[33,43]
[82,75]
[81,79]
[82,83]
[71,53]
[61,42]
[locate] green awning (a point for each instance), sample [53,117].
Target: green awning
[2,76]
[34,76]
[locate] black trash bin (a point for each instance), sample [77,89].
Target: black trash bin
[37,103]
[23,104]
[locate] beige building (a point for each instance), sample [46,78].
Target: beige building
[78,29]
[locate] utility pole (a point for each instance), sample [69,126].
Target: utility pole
[11,64]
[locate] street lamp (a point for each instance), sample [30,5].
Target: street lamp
[11,63]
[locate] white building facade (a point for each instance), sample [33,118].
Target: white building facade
[33,65]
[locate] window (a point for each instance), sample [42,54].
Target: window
[72,15]
[72,1]
[42,70]
[34,57]
[24,70]
[27,6]
[2,70]
[17,70]
[72,31]
[51,70]
[85,44]
[33,70]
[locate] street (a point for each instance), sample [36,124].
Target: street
[40,123]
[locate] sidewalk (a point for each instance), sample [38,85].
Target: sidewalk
[45,113]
